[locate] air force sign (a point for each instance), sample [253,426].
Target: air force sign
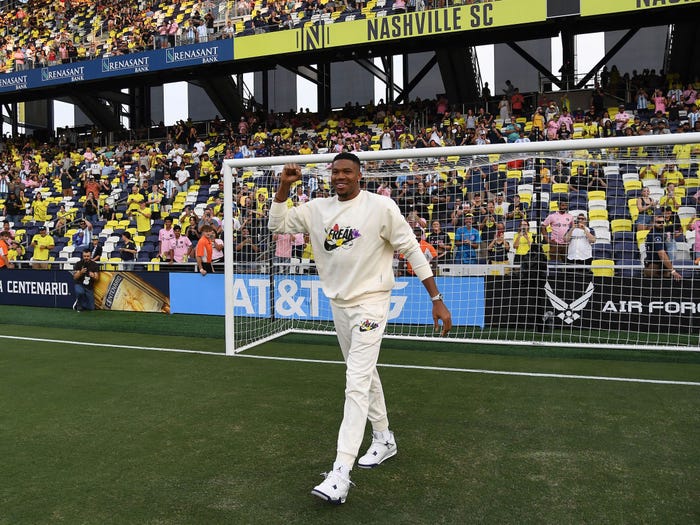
[568,312]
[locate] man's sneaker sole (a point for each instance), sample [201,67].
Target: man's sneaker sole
[327,498]
[389,455]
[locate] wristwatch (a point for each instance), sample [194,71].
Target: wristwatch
[438,297]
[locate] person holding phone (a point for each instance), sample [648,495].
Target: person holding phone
[580,239]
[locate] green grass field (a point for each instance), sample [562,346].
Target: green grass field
[97,434]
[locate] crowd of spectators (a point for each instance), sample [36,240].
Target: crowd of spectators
[126,195]
[42,33]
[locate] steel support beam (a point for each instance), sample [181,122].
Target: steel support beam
[613,51]
[410,85]
[381,74]
[534,63]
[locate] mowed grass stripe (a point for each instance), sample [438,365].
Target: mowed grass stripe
[124,436]
[103,340]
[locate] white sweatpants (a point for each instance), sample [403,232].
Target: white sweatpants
[360,330]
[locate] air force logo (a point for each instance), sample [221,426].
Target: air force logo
[568,312]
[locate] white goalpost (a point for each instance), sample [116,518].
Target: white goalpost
[530,299]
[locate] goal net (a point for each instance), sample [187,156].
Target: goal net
[511,284]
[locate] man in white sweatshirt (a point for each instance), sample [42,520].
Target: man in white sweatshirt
[354,235]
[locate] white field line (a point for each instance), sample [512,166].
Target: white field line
[383,365]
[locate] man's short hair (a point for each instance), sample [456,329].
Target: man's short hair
[346,155]
[127,235]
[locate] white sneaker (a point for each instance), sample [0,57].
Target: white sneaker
[334,489]
[382,448]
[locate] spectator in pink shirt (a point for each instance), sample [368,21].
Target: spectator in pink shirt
[559,222]
[165,235]
[695,227]
[283,251]
[180,247]
[659,101]
[689,96]
[217,251]
[621,120]
[565,118]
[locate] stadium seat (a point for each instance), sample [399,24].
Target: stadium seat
[634,211]
[602,236]
[560,187]
[651,183]
[599,224]
[595,215]
[597,205]
[686,212]
[631,185]
[602,251]
[603,267]
[620,225]
[641,237]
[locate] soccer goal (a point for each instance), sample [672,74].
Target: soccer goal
[531,298]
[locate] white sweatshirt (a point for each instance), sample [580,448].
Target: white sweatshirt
[353,243]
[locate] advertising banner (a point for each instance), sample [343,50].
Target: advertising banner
[132,292]
[606,7]
[126,291]
[576,300]
[121,65]
[431,22]
[47,288]
[301,297]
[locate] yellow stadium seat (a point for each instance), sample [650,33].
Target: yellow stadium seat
[598,215]
[113,264]
[514,174]
[631,185]
[620,225]
[545,250]
[596,195]
[642,237]
[560,187]
[632,205]
[603,267]
[692,182]
[451,235]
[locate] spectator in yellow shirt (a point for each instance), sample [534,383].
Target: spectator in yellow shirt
[39,208]
[672,175]
[134,199]
[143,218]
[206,169]
[670,200]
[42,243]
